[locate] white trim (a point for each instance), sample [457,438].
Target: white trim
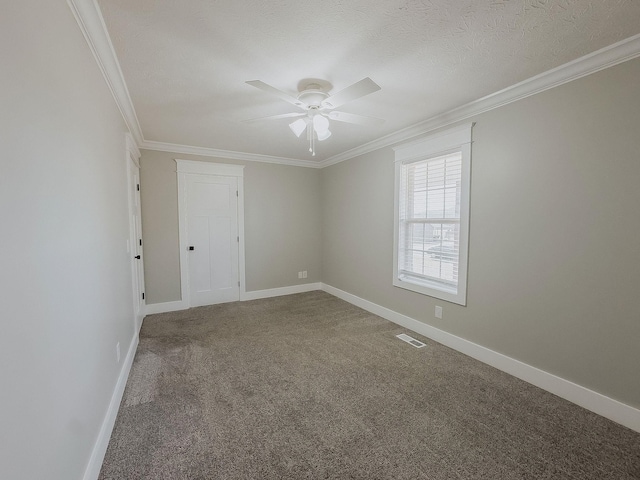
[278,292]
[226,154]
[182,240]
[91,23]
[133,149]
[434,144]
[241,246]
[133,197]
[606,57]
[596,402]
[209,168]
[452,139]
[165,307]
[188,167]
[89,19]
[102,442]
[153,308]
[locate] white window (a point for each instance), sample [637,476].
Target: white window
[432,215]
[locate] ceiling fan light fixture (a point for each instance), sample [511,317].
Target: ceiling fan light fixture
[298,126]
[320,124]
[323,135]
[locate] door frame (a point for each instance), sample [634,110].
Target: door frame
[184,168]
[132,160]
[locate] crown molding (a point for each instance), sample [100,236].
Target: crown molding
[213,152]
[599,60]
[89,19]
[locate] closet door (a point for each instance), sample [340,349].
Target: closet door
[212,239]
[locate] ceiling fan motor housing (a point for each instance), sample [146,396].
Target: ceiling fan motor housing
[313,96]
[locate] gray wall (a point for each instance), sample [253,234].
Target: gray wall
[554,259]
[282,227]
[65,274]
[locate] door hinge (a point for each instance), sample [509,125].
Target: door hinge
[237,195]
[238,239]
[138,187]
[238,283]
[140,242]
[143,295]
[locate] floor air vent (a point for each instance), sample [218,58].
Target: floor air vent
[411,341]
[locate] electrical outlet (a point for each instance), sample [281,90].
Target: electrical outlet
[118,352]
[299,274]
[304,274]
[438,312]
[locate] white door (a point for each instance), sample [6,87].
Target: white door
[136,243]
[212,239]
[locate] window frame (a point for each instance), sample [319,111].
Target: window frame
[457,139]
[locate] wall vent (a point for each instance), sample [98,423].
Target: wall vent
[410,340]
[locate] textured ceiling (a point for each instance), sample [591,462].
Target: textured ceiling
[185,62]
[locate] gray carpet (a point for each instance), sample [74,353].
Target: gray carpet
[309,386]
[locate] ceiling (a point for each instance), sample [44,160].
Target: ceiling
[185,62]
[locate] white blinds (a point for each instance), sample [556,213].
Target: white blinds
[431,214]
[429,220]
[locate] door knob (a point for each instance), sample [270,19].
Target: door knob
[137,256]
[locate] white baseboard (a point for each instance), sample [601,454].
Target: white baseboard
[593,401]
[277,292]
[100,448]
[254,295]
[153,308]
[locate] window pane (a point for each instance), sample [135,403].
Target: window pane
[432,214]
[430,190]
[431,250]
[433,187]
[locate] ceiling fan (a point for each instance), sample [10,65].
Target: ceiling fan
[318,107]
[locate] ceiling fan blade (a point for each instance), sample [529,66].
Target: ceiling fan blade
[357,119]
[278,93]
[353,92]
[275,117]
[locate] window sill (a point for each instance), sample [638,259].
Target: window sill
[432,289]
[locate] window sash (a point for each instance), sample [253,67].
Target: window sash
[436,257]
[453,216]
[432,257]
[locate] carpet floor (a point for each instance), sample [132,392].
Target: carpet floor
[308,386]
